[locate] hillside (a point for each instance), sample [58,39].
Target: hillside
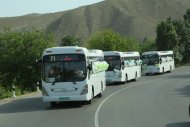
[128,17]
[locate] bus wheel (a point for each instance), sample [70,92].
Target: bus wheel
[92,96]
[126,79]
[100,94]
[135,77]
[53,104]
[170,68]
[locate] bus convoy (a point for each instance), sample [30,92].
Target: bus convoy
[73,73]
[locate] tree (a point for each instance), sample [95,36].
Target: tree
[183,31]
[70,41]
[185,42]
[175,35]
[186,16]
[133,44]
[18,52]
[148,45]
[109,40]
[186,37]
[167,37]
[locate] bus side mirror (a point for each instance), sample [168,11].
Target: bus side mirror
[39,62]
[160,60]
[89,67]
[122,63]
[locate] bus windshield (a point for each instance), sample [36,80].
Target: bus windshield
[114,62]
[150,59]
[64,68]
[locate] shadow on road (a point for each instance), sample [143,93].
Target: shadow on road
[155,74]
[35,104]
[67,105]
[180,76]
[185,91]
[114,84]
[120,83]
[23,105]
[182,124]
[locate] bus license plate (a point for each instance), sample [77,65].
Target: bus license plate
[63,98]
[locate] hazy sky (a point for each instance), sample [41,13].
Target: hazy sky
[9,8]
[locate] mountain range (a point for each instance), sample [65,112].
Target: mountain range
[136,18]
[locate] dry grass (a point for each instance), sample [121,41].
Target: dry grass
[136,18]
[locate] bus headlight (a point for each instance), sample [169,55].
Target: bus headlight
[157,66]
[84,90]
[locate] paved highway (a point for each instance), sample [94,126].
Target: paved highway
[152,101]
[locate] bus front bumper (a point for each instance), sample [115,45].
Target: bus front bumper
[112,80]
[65,98]
[151,70]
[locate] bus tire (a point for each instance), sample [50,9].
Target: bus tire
[100,94]
[170,69]
[135,79]
[53,104]
[92,96]
[126,79]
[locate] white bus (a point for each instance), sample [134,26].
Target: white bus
[157,62]
[69,74]
[123,66]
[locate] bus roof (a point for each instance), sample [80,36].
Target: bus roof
[73,50]
[65,50]
[96,52]
[112,53]
[158,52]
[131,54]
[127,54]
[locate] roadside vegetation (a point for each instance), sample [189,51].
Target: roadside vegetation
[109,40]
[20,49]
[18,53]
[175,35]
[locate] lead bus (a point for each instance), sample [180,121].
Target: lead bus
[72,73]
[157,62]
[123,66]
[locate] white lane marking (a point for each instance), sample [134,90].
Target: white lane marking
[96,122]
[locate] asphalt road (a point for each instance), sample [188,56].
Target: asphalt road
[152,101]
